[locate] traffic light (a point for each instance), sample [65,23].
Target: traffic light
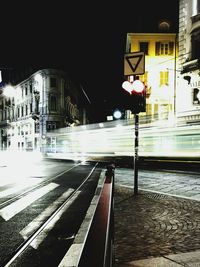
[136,99]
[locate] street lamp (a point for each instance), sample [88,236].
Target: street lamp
[9,91]
[117,114]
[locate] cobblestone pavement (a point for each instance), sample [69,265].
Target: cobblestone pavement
[150,225]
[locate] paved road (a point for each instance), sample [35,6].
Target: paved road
[161,225]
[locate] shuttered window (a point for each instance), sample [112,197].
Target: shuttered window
[164,78]
[164,48]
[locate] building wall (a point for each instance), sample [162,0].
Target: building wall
[159,74]
[47,100]
[188,103]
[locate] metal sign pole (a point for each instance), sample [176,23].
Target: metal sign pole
[136,154]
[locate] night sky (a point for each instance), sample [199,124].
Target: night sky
[86,39]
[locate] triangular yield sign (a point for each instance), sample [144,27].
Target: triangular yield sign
[134,63]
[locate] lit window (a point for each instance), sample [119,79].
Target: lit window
[195,7]
[144,78]
[164,78]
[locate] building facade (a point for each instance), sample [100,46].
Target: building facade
[188,87]
[161,52]
[45,101]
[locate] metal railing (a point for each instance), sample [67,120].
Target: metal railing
[99,247]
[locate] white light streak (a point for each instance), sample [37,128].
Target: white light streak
[11,210]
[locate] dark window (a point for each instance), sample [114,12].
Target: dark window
[196,96]
[171,48]
[144,47]
[31,108]
[31,87]
[52,82]
[22,110]
[53,104]
[195,45]
[26,110]
[157,52]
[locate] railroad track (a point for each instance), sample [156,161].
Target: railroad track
[67,217]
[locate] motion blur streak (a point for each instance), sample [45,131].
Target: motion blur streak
[116,138]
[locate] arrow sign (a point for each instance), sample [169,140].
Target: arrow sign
[134,63]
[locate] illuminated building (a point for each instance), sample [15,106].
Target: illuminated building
[160,49]
[188,87]
[46,100]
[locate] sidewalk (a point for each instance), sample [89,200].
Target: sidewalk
[154,229]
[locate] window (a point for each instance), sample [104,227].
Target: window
[164,48]
[51,125]
[52,82]
[195,7]
[144,47]
[26,90]
[31,87]
[26,109]
[164,78]
[22,111]
[31,108]
[53,103]
[196,96]
[195,44]
[144,78]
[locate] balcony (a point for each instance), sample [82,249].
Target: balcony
[190,65]
[5,123]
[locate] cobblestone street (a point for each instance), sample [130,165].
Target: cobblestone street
[151,225]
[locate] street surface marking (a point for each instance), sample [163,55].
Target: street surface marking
[32,226]
[39,239]
[11,210]
[17,188]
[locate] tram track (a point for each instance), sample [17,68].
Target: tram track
[54,217]
[32,189]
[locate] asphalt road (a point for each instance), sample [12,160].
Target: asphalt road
[23,209]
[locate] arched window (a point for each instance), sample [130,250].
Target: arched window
[53,103]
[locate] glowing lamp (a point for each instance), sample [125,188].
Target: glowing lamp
[136,86]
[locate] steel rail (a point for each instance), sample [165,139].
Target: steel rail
[34,235]
[11,200]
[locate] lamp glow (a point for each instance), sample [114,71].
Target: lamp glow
[9,91]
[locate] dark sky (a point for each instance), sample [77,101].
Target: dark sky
[86,39]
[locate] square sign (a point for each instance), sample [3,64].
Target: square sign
[134,63]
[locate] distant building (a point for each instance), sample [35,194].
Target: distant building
[160,51]
[48,99]
[188,87]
